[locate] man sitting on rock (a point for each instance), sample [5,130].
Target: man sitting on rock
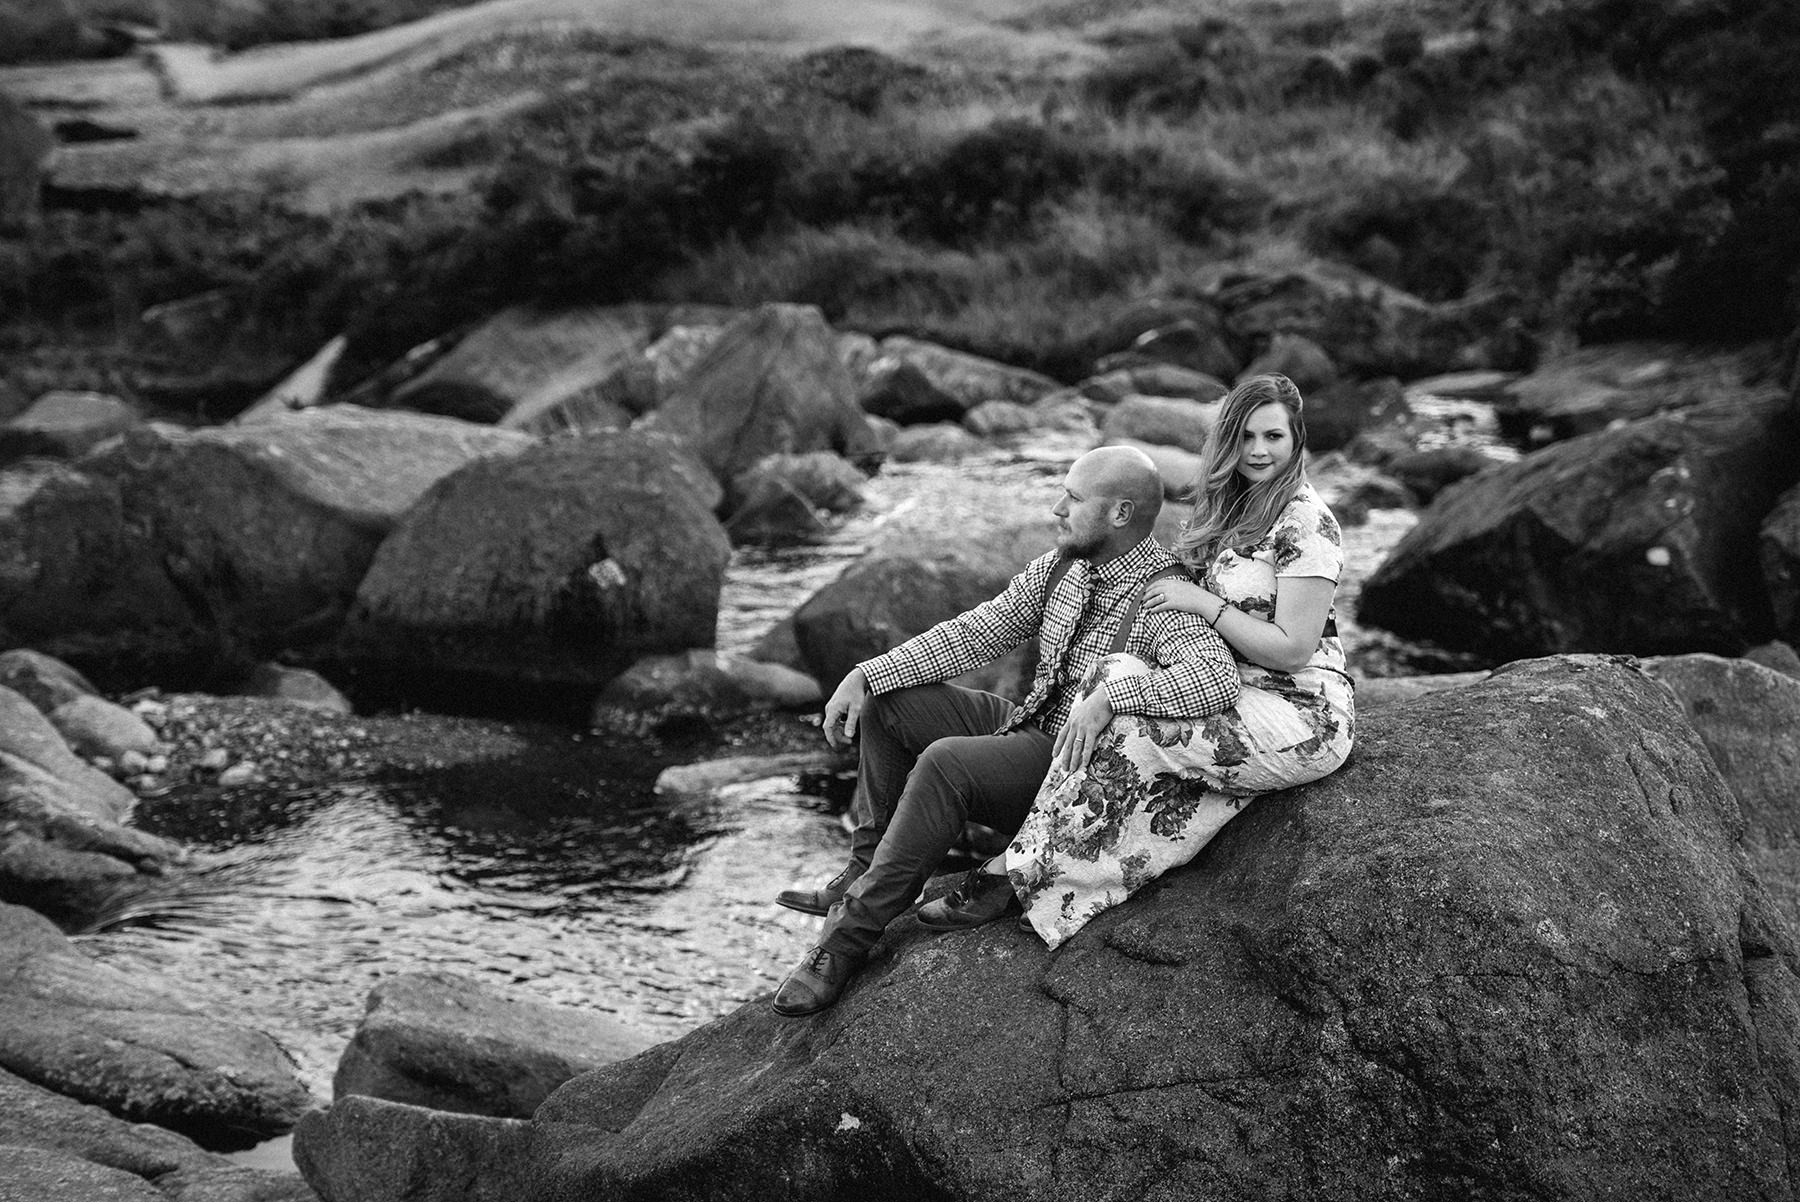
[935,756]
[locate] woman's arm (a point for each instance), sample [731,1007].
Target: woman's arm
[1283,645]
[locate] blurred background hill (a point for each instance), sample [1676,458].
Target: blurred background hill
[206,193]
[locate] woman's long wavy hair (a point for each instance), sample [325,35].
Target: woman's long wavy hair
[1228,510]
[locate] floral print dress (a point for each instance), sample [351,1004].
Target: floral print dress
[1158,788]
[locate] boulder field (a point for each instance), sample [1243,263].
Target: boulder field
[1559,963]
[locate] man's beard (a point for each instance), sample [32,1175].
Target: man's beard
[1076,547]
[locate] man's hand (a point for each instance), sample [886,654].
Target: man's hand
[1076,741]
[844,710]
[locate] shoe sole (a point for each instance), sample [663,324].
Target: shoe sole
[792,1013]
[815,911]
[954,925]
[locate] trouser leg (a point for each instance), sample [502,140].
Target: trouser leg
[895,729]
[990,779]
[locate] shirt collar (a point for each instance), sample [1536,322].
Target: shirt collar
[1131,566]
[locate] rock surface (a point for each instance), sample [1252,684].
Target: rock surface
[58,1128]
[561,564]
[65,425]
[448,1043]
[523,353]
[1749,717]
[64,846]
[1779,553]
[1637,539]
[80,584]
[130,1045]
[1167,421]
[266,529]
[772,384]
[41,679]
[906,586]
[1487,974]
[368,1150]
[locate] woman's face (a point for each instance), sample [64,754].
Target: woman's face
[1267,443]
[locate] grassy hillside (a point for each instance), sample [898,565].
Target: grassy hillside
[1002,180]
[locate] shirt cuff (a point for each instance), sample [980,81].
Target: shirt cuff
[882,674]
[1128,694]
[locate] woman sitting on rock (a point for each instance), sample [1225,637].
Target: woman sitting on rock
[1266,554]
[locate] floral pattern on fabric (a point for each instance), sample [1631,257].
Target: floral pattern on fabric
[1159,788]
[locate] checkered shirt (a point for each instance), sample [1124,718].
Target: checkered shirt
[1192,671]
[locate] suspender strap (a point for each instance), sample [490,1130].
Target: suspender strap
[1129,618]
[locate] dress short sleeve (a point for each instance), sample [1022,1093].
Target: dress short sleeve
[1305,540]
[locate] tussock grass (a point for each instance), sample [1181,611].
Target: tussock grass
[1615,184]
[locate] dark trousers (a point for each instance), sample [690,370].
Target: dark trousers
[929,763]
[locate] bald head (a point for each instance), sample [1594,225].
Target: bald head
[1127,474]
[1109,503]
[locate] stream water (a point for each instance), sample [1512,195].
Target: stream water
[556,874]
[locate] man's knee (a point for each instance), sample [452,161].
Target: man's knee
[945,776]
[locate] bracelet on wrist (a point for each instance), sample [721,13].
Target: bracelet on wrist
[1217,614]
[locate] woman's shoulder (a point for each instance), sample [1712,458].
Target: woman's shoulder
[1306,538]
[1308,513]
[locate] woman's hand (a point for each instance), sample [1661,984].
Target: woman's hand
[1183,595]
[1087,721]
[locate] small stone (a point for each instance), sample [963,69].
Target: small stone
[133,762]
[158,764]
[238,774]
[154,713]
[144,782]
[215,760]
[105,763]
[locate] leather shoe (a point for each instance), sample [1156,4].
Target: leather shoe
[820,901]
[814,984]
[981,898]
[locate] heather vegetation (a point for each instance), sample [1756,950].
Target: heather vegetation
[1606,169]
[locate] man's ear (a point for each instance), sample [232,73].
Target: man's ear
[1123,514]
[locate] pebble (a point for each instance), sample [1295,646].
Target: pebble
[238,774]
[133,762]
[215,760]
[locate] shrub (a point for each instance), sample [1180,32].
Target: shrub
[1427,240]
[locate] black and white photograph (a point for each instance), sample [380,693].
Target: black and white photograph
[899,600]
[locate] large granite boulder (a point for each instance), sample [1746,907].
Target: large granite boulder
[1749,717]
[368,1150]
[532,369]
[1185,332]
[1778,550]
[83,585]
[41,679]
[1164,420]
[133,1046]
[71,1137]
[783,497]
[901,392]
[1641,539]
[1589,388]
[1368,328]
[1488,974]
[64,425]
[267,529]
[969,379]
[1339,412]
[64,847]
[909,584]
[773,383]
[449,1043]
[562,564]
[1297,357]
